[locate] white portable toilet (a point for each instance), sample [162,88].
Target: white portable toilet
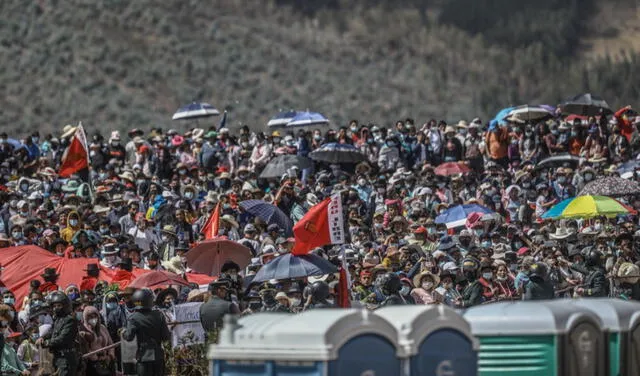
[320,342]
[436,340]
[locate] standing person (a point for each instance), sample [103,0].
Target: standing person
[595,283]
[497,140]
[61,340]
[539,287]
[96,336]
[472,294]
[212,312]
[390,286]
[150,329]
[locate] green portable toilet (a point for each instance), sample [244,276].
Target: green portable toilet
[436,340]
[550,338]
[621,320]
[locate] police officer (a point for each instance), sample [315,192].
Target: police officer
[595,284]
[472,294]
[539,287]
[269,302]
[62,338]
[149,328]
[212,312]
[390,285]
[316,295]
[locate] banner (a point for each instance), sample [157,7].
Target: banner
[190,333]
[323,224]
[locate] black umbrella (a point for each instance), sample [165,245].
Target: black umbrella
[338,153]
[290,266]
[560,160]
[611,186]
[279,165]
[586,105]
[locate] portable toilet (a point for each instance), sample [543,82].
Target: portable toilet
[436,340]
[318,342]
[532,338]
[621,320]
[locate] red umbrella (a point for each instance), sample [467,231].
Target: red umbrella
[451,168]
[157,279]
[208,256]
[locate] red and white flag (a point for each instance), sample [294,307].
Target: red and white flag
[323,224]
[210,229]
[76,157]
[344,284]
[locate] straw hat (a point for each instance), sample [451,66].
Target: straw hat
[68,130]
[629,272]
[229,219]
[417,280]
[462,124]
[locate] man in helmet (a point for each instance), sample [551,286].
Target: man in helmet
[269,302]
[539,287]
[150,329]
[390,285]
[61,340]
[595,284]
[316,295]
[212,312]
[472,294]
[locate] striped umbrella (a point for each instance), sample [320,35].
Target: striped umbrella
[303,119]
[281,119]
[587,207]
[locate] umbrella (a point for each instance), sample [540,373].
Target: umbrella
[268,213]
[289,266]
[501,115]
[208,256]
[630,166]
[158,279]
[281,119]
[587,105]
[530,113]
[457,216]
[452,168]
[281,164]
[303,119]
[587,207]
[558,160]
[338,153]
[611,186]
[195,110]
[15,143]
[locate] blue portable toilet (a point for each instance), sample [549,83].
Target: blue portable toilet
[435,340]
[320,342]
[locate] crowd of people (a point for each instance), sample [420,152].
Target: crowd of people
[148,195]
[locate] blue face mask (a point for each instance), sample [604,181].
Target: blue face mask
[485,244]
[112,305]
[74,295]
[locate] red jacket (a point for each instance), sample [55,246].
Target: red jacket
[626,128]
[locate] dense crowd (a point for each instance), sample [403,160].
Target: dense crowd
[147,197]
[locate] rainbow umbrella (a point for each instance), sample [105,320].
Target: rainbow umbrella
[587,207]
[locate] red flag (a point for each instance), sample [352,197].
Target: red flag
[210,229]
[323,224]
[76,157]
[344,285]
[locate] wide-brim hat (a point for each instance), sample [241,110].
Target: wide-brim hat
[109,250]
[163,294]
[68,130]
[561,233]
[417,280]
[70,186]
[49,272]
[127,175]
[229,219]
[197,133]
[169,229]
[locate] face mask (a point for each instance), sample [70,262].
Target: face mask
[244,144]
[79,316]
[182,172]
[330,301]
[362,182]
[431,230]
[93,322]
[73,296]
[295,302]
[485,244]
[597,226]
[112,305]
[427,285]
[526,185]
[448,285]
[16,235]
[513,267]
[9,301]
[501,279]
[487,276]
[588,177]
[115,143]
[354,129]
[555,132]
[104,231]
[317,137]
[517,245]
[405,290]
[574,134]
[188,195]
[24,187]
[479,232]
[34,336]
[73,222]
[391,144]
[561,179]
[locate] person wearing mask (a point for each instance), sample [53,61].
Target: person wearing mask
[73,225]
[94,336]
[539,287]
[389,156]
[128,221]
[153,262]
[249,239]
[10,364]
[270,303]
[169,240]
[424,291]
[150,330]
[61,340]
[595,283]
[144,236]
[472,294]
[27,352]
[316,295]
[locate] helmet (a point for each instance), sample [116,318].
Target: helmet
[470,264]
[390,284]
[319,291]
[60,297]
[593,258]
[142,299]
[538,270]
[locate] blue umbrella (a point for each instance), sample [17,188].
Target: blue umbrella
[337,153]
[15,143]
[281,119]
[195,110]
[268,213]
[457,216]
[630,166]
[290,266]
[500,117]
[303,119]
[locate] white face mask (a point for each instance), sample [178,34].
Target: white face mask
[93,322]
[427,285]
[294,302]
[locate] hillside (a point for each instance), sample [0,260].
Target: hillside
[120,64]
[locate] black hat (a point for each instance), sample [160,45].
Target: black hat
[163,294]
[219,283]
[153,256]
[49,273]
[92,268]
[126,264]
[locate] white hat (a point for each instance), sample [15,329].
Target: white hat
[224,130]
[462,124]
[21,204]
[115,135]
